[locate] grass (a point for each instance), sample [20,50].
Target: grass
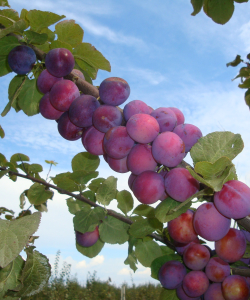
[62,286]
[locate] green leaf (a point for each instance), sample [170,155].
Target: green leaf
[147,252]
[60,44]
[69,32]
[36,273]
[45,47]
[216,183]
[164,212]
[144,210]
[36,38]
[247,97]
[220,11]
[244,72]
[51,35]
[95,184]
[8,17]
[51,162]
[113,231]
[3,210]
[131,261]
[142,228]
[235,62]
[197,6]
[75,205]
[87,219]
[17,27]
[41,19]
[90,70]
[240,1]
[2,133]
[37,194]
[245,84]
[4,3]
[7,44]
[91,251]
[23,15]
[125,201]
[107,191]
[68,184]
[160,261]
[4,66]
[168,294]
[35,168]
[3,160]
[14,90]
[14,235]
[19,157]
[90,55]
[82,176]
[29,98]
[41,207]
[10,275]
[89,195]
[216,145]
[85,161]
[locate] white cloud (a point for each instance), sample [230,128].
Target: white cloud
[146,271]
[81,264]
[124,271]
[98,260]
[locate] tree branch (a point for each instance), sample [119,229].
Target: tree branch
[110,212]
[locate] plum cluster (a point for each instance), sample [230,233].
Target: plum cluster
[204,272]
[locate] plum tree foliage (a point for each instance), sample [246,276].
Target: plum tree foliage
[156,175]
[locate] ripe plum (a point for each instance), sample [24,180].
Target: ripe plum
[217,269]
[140,159]
[135,107]
[82,109]
[59,62]
[67,129]
[92,140]
[106,117]
[45,81]
[233,200]
[195,283]
[47,110]
[62,94]
[196,257]
[232,246]
[209,223]
[179,115]
[143,128]
[180,185]
[214,292]
[118,165]
[189,134]
[87,239]
[235,287]
[148,187]
[117,143]
[168,149]
[166,118]
[21,59]
[171,274]
[114,91]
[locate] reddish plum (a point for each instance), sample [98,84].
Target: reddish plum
[118,165]
[87,239]
[195,283]
[59,62]
[47,110]
[82,109]
[235,287]
[179,115]
[67,129]
[196,257]
[217,269]
[180,185]
[117,143]
[171,274]
[232,246]
[140,159]
[168,149]
[92,140]
[233,200]
[142,128]
[181,229]
[106,117]
[189,134]
[135,107]
[214,292]
[62,94]
[209,223]
[148,187]
[166,118]
[114,91]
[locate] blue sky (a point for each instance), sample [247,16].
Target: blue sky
[169,58]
